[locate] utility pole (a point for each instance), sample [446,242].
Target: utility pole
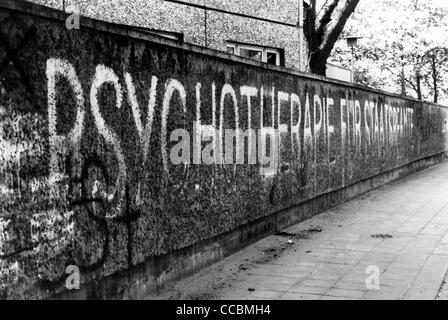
[352,80]
[352,42]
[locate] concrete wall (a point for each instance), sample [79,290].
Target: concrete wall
[90,173]
[339,73]
[220,28]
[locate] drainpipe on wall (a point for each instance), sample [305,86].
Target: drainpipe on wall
[205,28]
[300,25]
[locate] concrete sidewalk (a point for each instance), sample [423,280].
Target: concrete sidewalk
[400,228]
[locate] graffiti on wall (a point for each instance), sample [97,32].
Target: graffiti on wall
[302,123]
[95,164]
[361,124]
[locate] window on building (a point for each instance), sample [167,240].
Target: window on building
[251,53]
[268,55]
[231,49]
[166,34]
[273,57]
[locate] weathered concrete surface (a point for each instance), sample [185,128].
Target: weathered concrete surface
[330,253]
[87,170]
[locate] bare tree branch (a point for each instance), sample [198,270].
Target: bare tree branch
[310,19]
[326,17]
[333,34]
[321,41]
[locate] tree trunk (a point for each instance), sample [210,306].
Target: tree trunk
[419,86]
[434,79]
[322,36]
[318,64]
[403,81]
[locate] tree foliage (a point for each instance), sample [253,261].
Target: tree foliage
[405,47]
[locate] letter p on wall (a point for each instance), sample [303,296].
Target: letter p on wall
[58,68]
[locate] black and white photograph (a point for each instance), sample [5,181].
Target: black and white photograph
[218,157]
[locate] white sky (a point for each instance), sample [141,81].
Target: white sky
[441,3]
[438,3]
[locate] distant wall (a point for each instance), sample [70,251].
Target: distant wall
[339,73]
[92,173]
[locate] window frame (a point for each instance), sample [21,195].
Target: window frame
[176,36]
[277,53]
[252,48]
[263,49]
[230,45]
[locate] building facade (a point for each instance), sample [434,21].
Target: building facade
[265,30]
